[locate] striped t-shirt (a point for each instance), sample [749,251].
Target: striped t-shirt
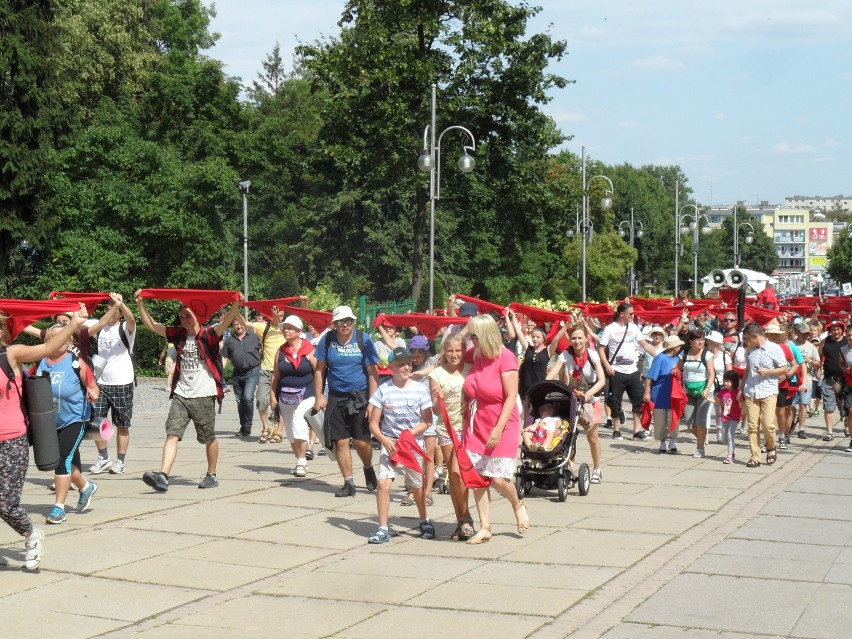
[402,408]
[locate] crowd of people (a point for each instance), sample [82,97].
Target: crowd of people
[443,411]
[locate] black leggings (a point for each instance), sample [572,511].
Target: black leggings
[69,447]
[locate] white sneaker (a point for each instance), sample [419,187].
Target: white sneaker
[35,549]
[117,467]
[101,466]
[301,471]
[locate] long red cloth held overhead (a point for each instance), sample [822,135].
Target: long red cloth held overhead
[428,325]
[22,313]
[470,477]
[407,449]
[483,305]
[91,300]
[540,315]
[264,307]
[320,320]
[202,303]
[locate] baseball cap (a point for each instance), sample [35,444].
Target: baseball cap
[468,309]
[418,341]
[399,354]
[292,320]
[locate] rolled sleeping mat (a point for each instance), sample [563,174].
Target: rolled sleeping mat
[99,430]
[316,421]
[42,421]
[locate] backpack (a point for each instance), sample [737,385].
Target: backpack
[131,351]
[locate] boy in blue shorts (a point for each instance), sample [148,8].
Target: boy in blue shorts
[402,404]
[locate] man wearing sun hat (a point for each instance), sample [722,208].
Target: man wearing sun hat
[348,359]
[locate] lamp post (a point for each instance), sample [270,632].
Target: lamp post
[430,160]
[748,240]
[694,226]
[586,226]
[244,189]
[631,224]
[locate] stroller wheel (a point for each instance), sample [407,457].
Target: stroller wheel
[562,487]
[445,488]
[528,486]
[519,485]
[584,479]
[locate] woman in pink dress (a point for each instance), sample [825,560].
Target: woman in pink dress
[492,428]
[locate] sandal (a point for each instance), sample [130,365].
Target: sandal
[752,463]
[408,500]
[770,457]
[523,525]
[429,500]
[827,437]
[466,526]
[264,436]
[482,536]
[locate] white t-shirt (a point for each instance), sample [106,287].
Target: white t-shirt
[118,369]
[721,360]
[195,378]
[627,359]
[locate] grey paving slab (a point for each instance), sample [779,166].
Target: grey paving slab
[353,587]
[426,566]
[840,574]
[805,529]
[648,520]
[243,552]
[107,599]
[830,470]
[778,567]
[559,576]
[644,631]
[19,622]
[444,623]
[727,603]
[837,507]
[828,614]
[761,549]
[819,486]
[187,573]
[688,497]
[284,616]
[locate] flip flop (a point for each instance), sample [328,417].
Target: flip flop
[408,500]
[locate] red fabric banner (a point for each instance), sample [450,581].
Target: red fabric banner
[90,300]
[428,325]
[202,303]
[407,450]
[470,477]
[678,399]
[647,414]
[836,304]
[320,320]
[22,313]
[264,307]
[481,305]
[539,315]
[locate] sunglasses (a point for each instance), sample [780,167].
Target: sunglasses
[345,322]
[729,319]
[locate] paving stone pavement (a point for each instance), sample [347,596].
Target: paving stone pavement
[667,546]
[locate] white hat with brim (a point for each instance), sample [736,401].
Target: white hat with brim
[774,328]
[672,341]
[715,337]
[342,312]
[294,321]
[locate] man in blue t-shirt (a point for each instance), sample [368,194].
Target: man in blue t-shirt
[347,358]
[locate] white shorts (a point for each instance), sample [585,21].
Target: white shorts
[413,478]
[294,419]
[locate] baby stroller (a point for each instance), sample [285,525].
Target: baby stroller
[549,469]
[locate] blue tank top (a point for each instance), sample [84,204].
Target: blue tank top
[69,397]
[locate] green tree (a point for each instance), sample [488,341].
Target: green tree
[840,258]
[377,75]
[34,119]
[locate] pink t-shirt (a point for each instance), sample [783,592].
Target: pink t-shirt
[484,386]
[12,423]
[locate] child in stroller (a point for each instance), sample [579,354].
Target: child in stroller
[539,435]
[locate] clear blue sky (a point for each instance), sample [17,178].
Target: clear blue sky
[751,97]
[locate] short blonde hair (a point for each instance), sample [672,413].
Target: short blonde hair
[489,343]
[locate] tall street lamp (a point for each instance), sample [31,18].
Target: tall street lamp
[694,226]
[631,225]
[749,238]
[430,160]
[586,227]
[244,189]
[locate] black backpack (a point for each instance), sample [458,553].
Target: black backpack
[131,350]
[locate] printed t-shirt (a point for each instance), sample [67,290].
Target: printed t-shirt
[195,378]
[627,359]
[69,397]
[345,363]
[451,387]
[729,405]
